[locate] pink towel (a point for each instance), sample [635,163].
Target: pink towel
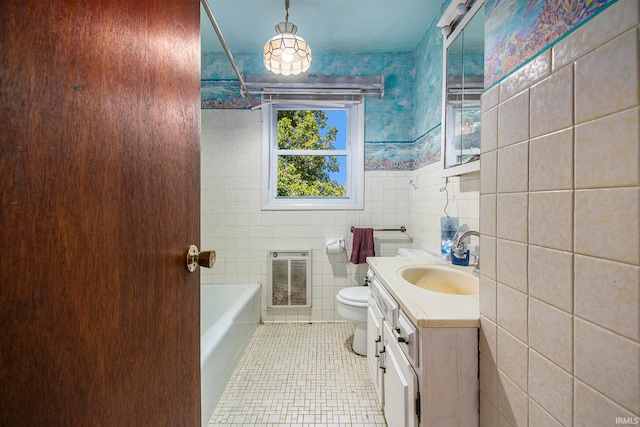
[362,245]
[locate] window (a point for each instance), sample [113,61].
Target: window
[313,156]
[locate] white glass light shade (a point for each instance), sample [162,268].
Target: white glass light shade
[286,53]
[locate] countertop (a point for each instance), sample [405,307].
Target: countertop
[425,308]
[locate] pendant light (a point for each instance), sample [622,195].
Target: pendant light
[286,53]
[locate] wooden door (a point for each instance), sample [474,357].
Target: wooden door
[99,161]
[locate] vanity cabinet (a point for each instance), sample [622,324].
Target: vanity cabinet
[374,347]
[423,376]
[448,375]
[400,384]
[393,376]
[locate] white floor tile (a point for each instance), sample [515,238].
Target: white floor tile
[300,375]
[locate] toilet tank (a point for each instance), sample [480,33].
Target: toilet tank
[411,252]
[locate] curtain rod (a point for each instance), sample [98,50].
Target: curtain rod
[317,84]
[243,87]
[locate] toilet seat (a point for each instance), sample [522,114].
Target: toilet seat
[355,296]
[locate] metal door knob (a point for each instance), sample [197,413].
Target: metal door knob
[196,258]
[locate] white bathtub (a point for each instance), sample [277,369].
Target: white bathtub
[229,316]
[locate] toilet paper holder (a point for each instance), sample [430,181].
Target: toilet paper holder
[335,245]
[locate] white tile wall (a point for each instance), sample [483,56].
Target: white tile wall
[234,225]
[551,388]
[513,120]
[609,363]
[427,204]
[513,168]
[551,333]
[513,356]
[511,261]
[546,175]
[551,277]
[513,402]
[567,220]
[538,417]
[554,93]
[602,161]
[512,311]
[600,284]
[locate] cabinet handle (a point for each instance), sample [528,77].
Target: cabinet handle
[401,339]
[379,338]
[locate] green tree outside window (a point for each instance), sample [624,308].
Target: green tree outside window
[307,174]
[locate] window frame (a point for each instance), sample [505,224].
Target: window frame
[354,152]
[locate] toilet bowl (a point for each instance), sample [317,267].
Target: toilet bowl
[352,304]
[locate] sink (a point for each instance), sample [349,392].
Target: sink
[443,279]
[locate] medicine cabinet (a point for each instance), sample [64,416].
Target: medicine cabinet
[463,84]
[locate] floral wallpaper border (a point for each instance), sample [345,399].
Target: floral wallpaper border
[517,30]
[403,155]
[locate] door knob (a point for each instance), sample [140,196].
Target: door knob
[196,258]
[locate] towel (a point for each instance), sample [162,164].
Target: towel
[362,245]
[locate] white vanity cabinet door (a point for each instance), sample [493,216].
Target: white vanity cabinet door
[400,385]
[374,348]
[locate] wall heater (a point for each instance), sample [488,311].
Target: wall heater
[289,279]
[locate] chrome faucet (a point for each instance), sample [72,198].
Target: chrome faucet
[459,247]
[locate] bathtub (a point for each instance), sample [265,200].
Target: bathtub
[229,314]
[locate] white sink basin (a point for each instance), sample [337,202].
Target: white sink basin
[440,278]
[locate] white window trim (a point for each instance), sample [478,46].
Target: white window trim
[355,166]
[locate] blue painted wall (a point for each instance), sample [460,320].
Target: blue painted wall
[389,122]
[427,115]
[403,130]
[387,119]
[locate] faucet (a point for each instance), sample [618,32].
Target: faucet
[459,247]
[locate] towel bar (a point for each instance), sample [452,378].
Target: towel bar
[402,229]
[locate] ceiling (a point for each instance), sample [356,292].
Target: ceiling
[329,26]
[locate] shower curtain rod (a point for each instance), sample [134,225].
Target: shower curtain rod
[244,92]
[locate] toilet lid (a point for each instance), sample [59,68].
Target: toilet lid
[358,294]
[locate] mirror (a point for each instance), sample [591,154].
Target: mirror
[463,86]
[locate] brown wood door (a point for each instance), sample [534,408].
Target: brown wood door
[99,162]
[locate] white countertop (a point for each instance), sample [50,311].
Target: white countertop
[425,308]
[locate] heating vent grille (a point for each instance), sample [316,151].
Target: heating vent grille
[289,274]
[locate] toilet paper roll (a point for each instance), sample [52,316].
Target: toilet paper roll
[335,246]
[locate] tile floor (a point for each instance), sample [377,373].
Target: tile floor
[300,375]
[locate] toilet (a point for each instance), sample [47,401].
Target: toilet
[352,304]
[411,253]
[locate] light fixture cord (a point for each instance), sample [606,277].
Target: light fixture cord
[286,7]
[446,182]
